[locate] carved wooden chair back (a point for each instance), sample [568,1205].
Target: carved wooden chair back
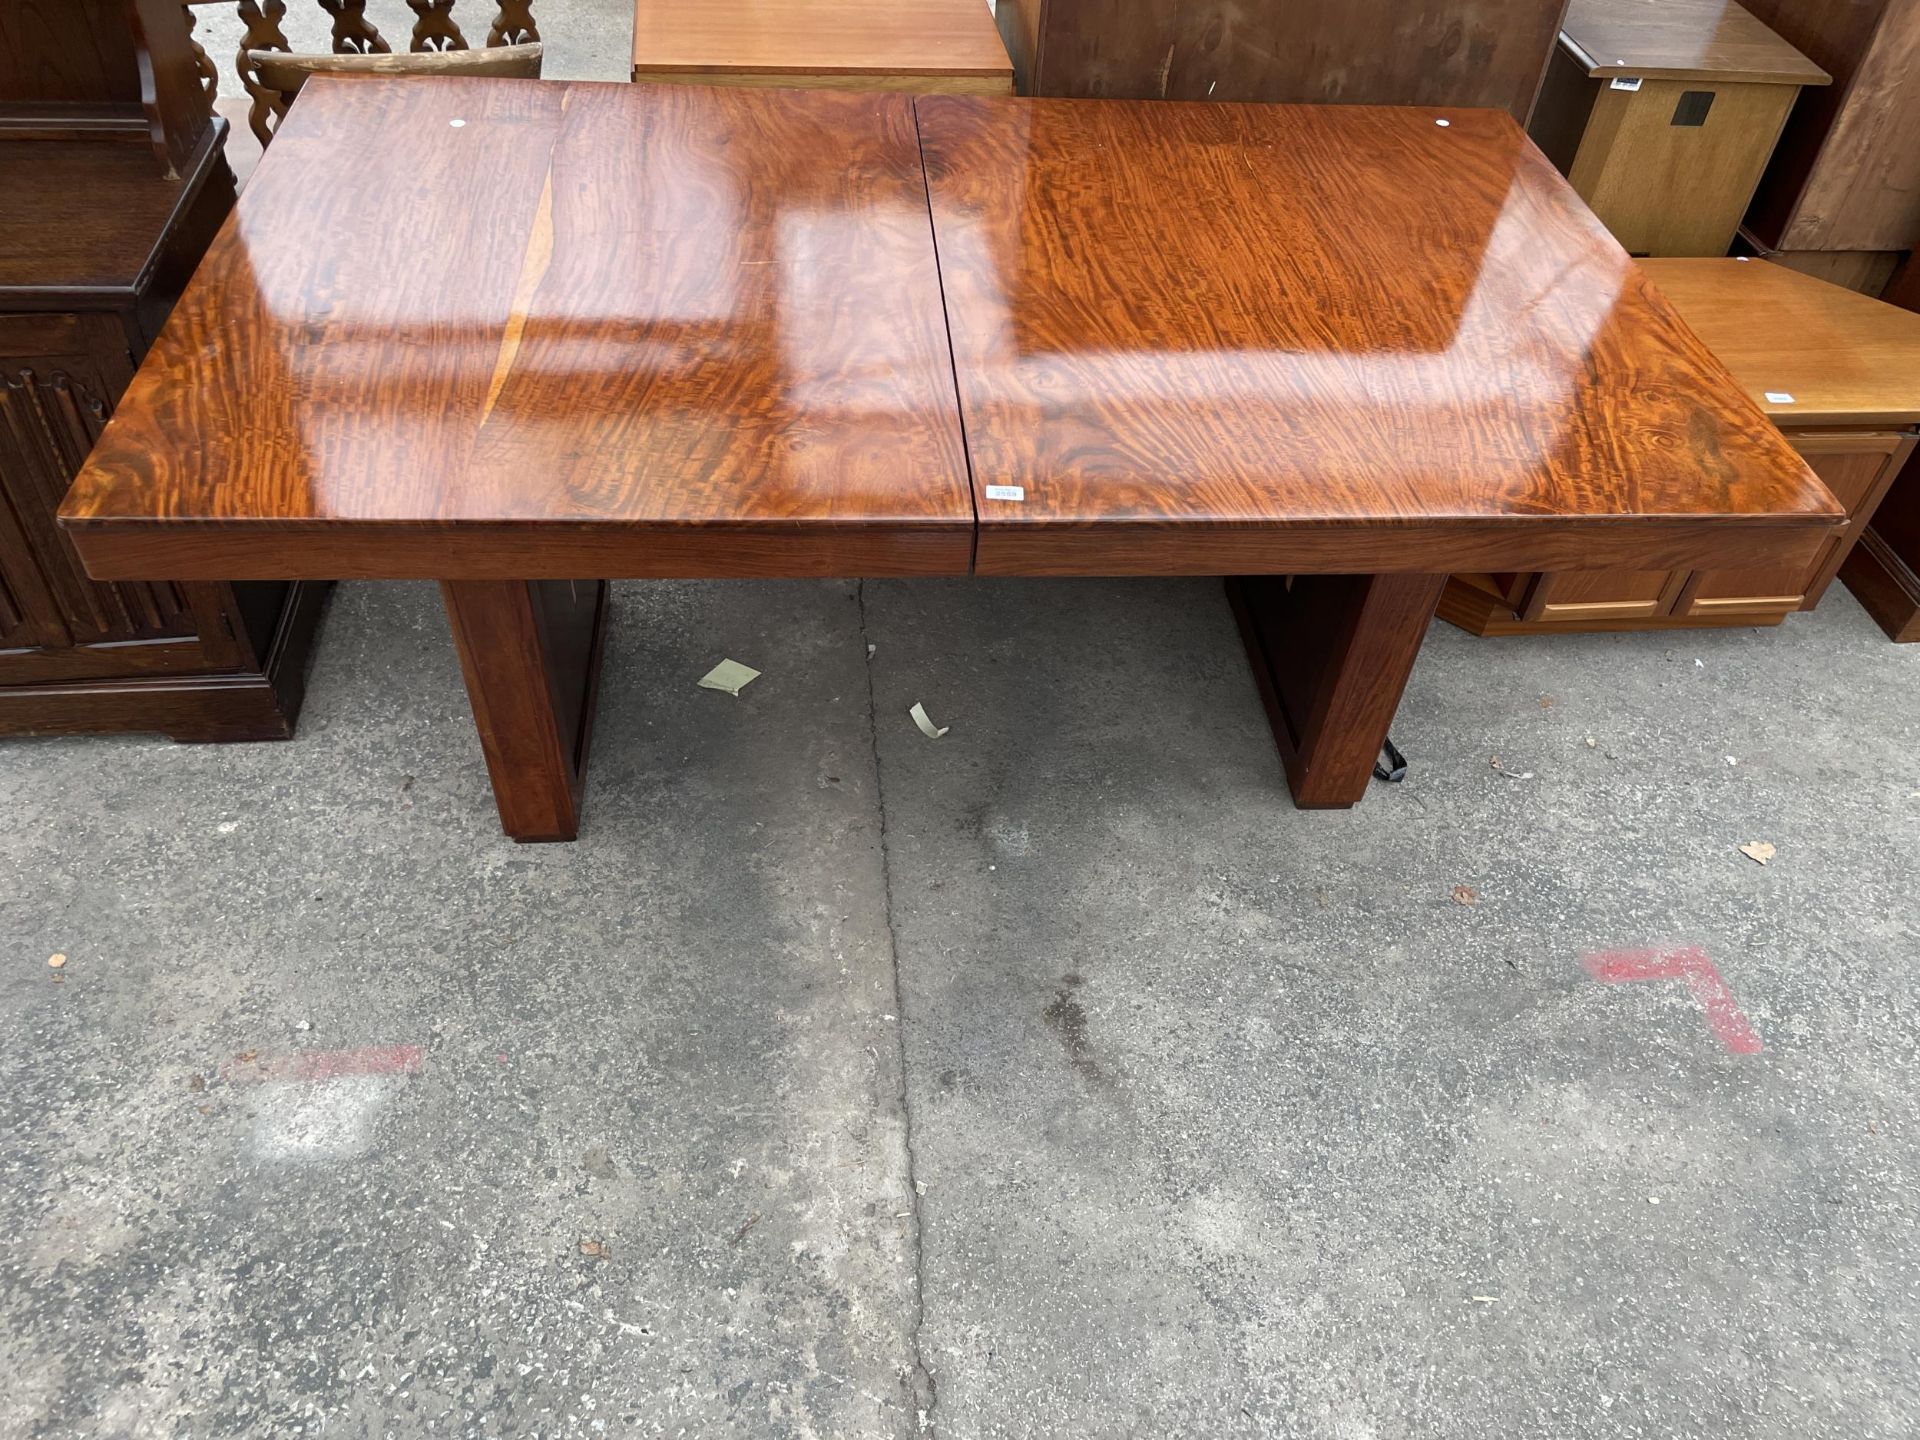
[273,72]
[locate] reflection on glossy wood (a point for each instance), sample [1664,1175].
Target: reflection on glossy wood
[685,326]
[1167,340]
[699,331]
[1839,370]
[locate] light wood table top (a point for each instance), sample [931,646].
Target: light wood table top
[1214,339]
[459,328]
[923,45]
[1682,40]
[1843,358]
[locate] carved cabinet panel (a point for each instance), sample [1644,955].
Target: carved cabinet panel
[59,375]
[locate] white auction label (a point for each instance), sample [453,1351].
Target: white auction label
[1006,492]
[1779,397]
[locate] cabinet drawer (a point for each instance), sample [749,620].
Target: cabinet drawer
[26,338]
[1571,597]
[1857,467]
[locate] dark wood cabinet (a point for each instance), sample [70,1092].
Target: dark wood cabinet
[1883,570]
[1841,197]
[111,166]
[1365,52]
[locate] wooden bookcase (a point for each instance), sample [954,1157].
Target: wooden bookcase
[115,185]
[1839,372]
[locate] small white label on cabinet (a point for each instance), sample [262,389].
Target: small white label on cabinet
[1779,397]
[1623,83]
[1006,492]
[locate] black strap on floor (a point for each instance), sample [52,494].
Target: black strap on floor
[1391,765]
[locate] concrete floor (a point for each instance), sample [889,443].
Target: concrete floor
[1055,1078]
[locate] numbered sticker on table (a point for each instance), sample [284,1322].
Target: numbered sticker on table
[1006,492]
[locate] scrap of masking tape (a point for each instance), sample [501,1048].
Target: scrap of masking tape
[730,676]
[927,727]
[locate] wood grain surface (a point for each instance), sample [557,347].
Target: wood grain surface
[55,234]
[1667,189]
[1337,338]
[1846,175]
[680,324]
[1682,40]
[1348,52]
[1844,358]
[925,38]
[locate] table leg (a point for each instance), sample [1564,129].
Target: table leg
[531,653]
[1331,654]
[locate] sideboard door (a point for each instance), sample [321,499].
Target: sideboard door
[59,376]
[1857,466]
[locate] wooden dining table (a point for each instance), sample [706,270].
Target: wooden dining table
[522,338]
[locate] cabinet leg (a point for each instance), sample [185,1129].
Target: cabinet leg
[530,650]
[1331,654]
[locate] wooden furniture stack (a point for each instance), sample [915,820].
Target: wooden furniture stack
[1663,113]
[1842,197]
[930,47]
[1366,52]
[111,187]
[1838,372]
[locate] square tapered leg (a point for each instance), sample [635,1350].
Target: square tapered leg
[530,650]
[1331,654]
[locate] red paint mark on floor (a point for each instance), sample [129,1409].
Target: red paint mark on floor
[314,1067]
[1727,1020]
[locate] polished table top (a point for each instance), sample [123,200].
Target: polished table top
[1355,327]
[472,328]
[456,325]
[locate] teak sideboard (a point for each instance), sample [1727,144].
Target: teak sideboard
[1838,371]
